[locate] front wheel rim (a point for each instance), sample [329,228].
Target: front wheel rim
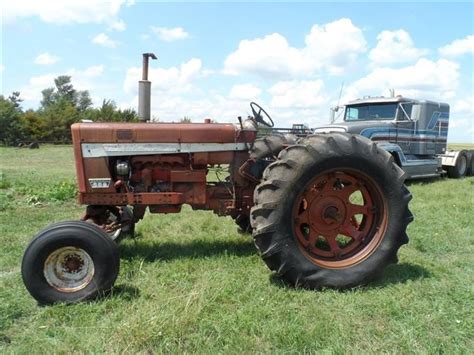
[69,269]
[340,218]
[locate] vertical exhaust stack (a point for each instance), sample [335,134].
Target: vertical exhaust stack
[144,90]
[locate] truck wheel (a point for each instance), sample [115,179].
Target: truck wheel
[331,212]
[70,262]
[459,169]
[470,170]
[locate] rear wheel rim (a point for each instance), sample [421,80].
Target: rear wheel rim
[69,269]
[340,218]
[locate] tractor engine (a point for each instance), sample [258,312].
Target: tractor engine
[163,165]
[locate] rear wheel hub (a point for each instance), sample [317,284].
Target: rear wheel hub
[340,218]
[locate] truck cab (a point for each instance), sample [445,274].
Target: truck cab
[415,132]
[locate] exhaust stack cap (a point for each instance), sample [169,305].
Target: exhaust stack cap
[144,90]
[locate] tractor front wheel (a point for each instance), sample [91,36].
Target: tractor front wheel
[69,262]
[332,211]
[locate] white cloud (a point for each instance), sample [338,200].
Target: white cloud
[2,68]
[394,47]
[333,46]
[46,59]
[458,47]
[118,26]
[170,80]
[170,34]
[63,12]
[461,123]
[437,80]
[268,57]
[103,40]
[298,94]
[245,92]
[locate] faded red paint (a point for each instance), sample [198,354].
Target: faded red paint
[183,176]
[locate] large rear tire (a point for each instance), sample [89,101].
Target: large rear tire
[263,149]
[70,262]
[331,212]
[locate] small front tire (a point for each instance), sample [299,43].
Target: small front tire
[69,262]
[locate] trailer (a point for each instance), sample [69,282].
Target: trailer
[414,132]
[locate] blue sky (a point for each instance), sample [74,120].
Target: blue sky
[213,58]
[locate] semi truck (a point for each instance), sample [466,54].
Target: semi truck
[414,132]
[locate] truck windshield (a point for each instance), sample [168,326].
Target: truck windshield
[371,112]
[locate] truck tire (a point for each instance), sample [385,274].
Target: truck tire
[460,168]
[70,262]
[470,170]
[331,212]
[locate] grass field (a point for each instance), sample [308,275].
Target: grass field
[191,283]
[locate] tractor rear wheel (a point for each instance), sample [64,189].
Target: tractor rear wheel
[332,211]
[69,262]
[263,149]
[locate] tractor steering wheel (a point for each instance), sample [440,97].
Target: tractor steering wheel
[257,111]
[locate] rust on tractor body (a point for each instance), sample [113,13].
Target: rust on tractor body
[168,165]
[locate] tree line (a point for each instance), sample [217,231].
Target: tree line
[60,107]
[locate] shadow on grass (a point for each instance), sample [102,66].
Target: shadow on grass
[152,251]
[399,274]
[392,275]
[125,292]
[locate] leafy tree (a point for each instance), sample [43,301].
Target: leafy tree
[65,89]
[64,92]
[15,99]
[10,126]
[84,101]
[128,115]
[61,106]
[33,126]
[48,97]
[57,121]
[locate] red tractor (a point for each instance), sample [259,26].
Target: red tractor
[328,210]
